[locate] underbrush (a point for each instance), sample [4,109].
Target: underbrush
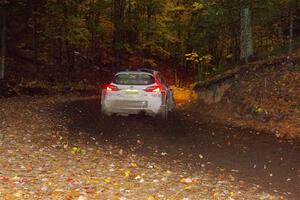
[38,87]
[265,95]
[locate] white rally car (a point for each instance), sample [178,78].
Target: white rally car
[134,92]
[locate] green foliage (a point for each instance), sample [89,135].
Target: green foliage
[295,68]
[151,29]
[198,59]
[58,87]
[65,22]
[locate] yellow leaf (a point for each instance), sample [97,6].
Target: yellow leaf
[197,6]
[127,172]
[133,165]
[74,193]
[16,178]
[188,187]
[95,181]
[75,150]
[18,194]
[116,183]
[186,180]
[232,194]
[8,197]
[107,180]
[57,193]
[216,195]
[151,197]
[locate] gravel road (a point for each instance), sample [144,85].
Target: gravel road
[60,147]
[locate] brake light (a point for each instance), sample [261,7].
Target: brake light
[156,89]
[110,88]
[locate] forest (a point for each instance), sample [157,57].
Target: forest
[200,38]
[230,68]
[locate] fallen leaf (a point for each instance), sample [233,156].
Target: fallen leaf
[127,172]
[133,165]
[107,180]
[186,180]
[216,195]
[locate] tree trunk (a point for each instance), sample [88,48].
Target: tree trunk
[246,34]
[291,32]
[118,18]
[34,32]
[149,17]
[3,44]
[118,35]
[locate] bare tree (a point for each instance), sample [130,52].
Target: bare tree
[3,41]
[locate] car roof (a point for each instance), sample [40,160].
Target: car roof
[137,71]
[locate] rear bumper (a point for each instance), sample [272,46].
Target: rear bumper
[130,111]
[134,106]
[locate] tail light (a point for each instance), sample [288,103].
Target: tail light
[156,89]
[110,88]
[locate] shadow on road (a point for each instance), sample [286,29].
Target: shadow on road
[259,159]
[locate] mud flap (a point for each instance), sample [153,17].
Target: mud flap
[104,111]
[164,113]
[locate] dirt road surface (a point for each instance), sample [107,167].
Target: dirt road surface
[62,148]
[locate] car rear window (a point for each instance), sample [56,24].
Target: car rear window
[134,79]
